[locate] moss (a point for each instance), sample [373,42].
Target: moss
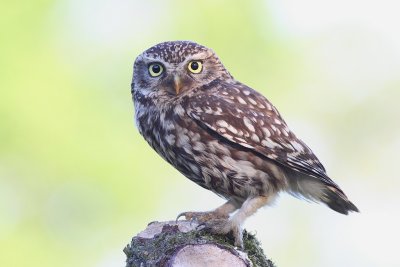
[159,249]
[254,251]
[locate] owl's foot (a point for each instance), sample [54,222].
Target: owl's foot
[222,212]
[202,217]
[217,221]
[224,226]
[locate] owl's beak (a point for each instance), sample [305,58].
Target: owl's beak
[177,83]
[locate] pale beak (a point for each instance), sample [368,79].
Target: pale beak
[177,83]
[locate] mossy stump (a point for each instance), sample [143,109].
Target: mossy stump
[179,243]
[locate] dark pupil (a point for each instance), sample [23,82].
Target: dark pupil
[195,65]
[156,68]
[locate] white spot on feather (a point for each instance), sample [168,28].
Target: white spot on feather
[285,131]
[241,100]
[252,101]
[310,161]
[248,124]
[208,110]
[266,132]
[297,146]
[182,140]
[261,105]
[240,139]
[255,138]
[199,146]
[222,123]
[268,143]
[218,111]
[273,156]
[232,129]
[168,125]
[179,110]
[227,136]
[275,129]
[245,145]
[170,139]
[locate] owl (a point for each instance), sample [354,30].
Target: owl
[224,136]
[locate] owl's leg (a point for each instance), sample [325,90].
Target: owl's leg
[234,224]
[222,212]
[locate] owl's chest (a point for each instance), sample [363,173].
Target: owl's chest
[195,152]
[170,132]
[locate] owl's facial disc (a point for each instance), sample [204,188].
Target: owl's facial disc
[171,69]
[182,76]
[176,82]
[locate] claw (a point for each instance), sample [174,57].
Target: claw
[201,217]
[208,221]
[188,216]
[223,226]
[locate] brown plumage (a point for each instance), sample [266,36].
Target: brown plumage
[223,135]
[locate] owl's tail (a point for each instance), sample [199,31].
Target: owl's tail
[338,201]
[303,186]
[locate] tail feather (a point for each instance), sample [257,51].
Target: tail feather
[304,186]
[338,201]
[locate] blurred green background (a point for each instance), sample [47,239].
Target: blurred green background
[77,181]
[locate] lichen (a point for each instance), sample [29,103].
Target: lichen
[159,249]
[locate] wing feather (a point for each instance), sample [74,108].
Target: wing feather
[245,117]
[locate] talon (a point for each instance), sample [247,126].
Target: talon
[201,217]
[223,227]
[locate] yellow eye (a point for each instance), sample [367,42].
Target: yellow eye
[155,69]
[195,66]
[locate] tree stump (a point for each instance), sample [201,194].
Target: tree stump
[173,244]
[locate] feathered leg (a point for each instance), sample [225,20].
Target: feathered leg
[234,224]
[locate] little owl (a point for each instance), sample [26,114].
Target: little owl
[224,136]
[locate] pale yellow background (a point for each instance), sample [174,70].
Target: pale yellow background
[77,181]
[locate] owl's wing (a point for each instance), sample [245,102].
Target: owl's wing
[243,116]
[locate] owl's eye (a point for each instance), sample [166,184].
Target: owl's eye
[195,66]
[155,69]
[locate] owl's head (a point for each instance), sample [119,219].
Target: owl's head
[171,69]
